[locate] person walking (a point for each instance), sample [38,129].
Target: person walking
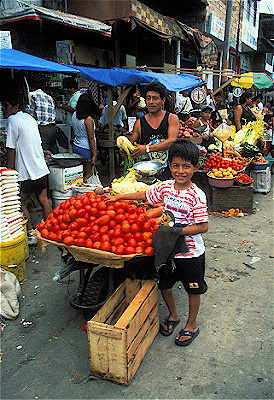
[184,203]
[25,154]
[42,108]
[84,141]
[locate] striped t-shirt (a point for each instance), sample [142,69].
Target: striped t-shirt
[182,206]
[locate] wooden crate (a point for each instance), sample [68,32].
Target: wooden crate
[122,331]
[233,197]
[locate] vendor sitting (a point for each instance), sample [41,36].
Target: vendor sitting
[204,126]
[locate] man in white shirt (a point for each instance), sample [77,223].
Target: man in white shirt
[25,154]
[183,103]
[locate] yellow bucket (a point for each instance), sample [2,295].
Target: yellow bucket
[13,255]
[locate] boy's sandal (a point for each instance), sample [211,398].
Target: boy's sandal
[183,333]
[168,323]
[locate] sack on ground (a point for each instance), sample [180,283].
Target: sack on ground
[10,290]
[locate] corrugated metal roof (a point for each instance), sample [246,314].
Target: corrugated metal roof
[13,10]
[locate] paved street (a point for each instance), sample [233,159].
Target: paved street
[232,358]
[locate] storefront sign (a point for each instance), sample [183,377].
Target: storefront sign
[249,34]
[5,40]
[216,27]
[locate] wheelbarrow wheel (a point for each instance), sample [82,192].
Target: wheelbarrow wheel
[97,288]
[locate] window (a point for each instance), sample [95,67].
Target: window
[255,6]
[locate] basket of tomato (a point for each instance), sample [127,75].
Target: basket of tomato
[98,229]
[217,162]
[243,180]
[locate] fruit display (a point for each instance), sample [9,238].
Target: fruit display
[259,160]
[88,221]
[217,162]
[233,155]
[222,173]
[185,128]
[243,179]
[129,183]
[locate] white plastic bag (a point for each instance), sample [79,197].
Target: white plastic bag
[94,180]
[10,290]
[222,132]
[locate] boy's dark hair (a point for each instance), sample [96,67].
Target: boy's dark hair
[185,150]
[69,83]
[86,107]
[158,88]
[15,98]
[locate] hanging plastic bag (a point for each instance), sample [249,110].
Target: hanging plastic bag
[223,132]
[94,179]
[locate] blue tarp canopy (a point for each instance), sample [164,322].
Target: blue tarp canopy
[124,77]
[15,59]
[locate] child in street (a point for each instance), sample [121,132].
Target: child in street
[184,203]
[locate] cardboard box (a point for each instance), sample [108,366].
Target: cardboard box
[122,331]
[62,179]
[233,197]
[262,180]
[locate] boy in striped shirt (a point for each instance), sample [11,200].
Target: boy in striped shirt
[184,203]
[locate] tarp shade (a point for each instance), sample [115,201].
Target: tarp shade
[13,10]
[123,77]
[15,59]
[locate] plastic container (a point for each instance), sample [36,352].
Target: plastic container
[220,182]
[13,255]
[269,160]
[59,197]
[258,167]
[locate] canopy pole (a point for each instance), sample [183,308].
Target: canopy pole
[111,133]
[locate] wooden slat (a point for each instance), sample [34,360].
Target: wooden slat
[141,316]
[134,306]
[103,329]
[132,288]
[113,301]
[150,321]
[142,349]
[117,312]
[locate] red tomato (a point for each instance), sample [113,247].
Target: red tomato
[92,218]
[140,210]
[74,226]
[88,230]
[80,242]
[96,245]
[81,212]
[130,250]
[126,227]
[103,230]
[101,213]
[54,221]
[135,228]
[106,246]
[111,233]
[132,242]
[74,233]
[50,216]
[78,204]
[141,244]
[44,233]
[93,211]
[104,220]
[112,224]
[141,219]
[110,207]
[67,217]
[40,226]
[82,221]
[118,241]
[132,209]
[111,213]
[66,233]
[147,235]
[96,236]
[139,250]
[117,233]
[133,217]
[138,236]
[87,208]
[89,243]
[113,249]
[148,242]
[56,229]
[128,235]
[48,225]
[56,211]
[95,228]
[149,251]
[85,200]
[82,235]
[60,219]
[52,236]
[63,226]
[119,210]
[120,249]
[119,218]
[59,237]
[146,226]
[102,206]
[105,238]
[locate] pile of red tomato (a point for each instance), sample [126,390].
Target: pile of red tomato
[220,162]
[88,221]
[243,178]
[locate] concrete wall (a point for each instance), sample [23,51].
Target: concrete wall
[100,9]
